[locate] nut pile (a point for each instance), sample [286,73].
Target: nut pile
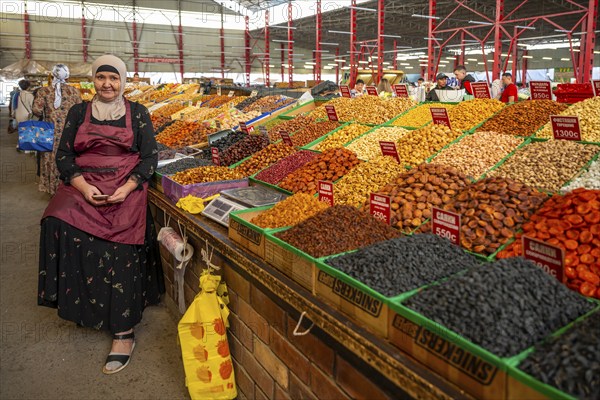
[466,115]
[342,136]
[413,193]
[216,101]
[547,165]
[571,222]
[365,109]
[569,362]
[419,116]
[268,104]
[367,147]
[290,212]
[505,307]
[246,102]
[291,126]
[336,230]
[474,154]
[416,146]
[205,174]
[313,132]
[523,118]
[276,172]
[355,188]
[492,210]
[242,149]
[589,179]
[404,264]
[183,133]
[182,165]
[263,158]
[330,166]
[588,112]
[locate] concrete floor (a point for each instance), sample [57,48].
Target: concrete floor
[43,356]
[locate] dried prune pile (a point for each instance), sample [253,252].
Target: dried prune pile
[505,307]
[182,164]
[223,144]
[403,264]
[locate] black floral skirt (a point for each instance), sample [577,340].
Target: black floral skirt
[97,283]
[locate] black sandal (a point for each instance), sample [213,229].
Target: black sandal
[121,358]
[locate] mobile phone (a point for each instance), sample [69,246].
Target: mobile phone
[100,196]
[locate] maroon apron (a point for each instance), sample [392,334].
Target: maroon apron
[106,162]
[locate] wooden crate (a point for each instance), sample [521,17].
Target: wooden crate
[246,234]
[290,261]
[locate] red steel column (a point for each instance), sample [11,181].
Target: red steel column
[430,43]
[222,41]
[180,45]
[497,67]
[461,58]
[136,47]
[247,50]
[590,42]
[290,45]
[395,62]
[27,33]
[515,54]
[84,34]
[353,64]
[524,71]
[317,67]
[337,69]
[282,62]
[380,26]
[267,59]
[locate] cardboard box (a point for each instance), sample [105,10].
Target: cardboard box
[294,263]
[246,234]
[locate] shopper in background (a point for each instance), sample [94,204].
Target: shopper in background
[24,103]
[420,82]
[384,88]
[12,104]
[52,104]
[464,79]
[136,77]
[442,80]
[359,88]
[510,93]
[99,260]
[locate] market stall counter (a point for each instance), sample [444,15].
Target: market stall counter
[275,355]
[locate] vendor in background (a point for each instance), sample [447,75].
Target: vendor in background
[420,82]
[12,103]
[359,88]
[136,77]
[442,84]
[510,93]
[384,88]
[464,79]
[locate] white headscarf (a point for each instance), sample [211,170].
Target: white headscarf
[60,72]
[112,110]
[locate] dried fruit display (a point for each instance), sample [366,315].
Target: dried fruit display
[365,109]
[416,146]
[355,188]
[263,158]
[312,132]
[242,149]
[217,101]
[475,154]
[246,102]
[276,172]
[367,146]
[492,210]
[183,133]
[335,230]
[547,165]
[571,222]
[403,264]
[505,307]
[330,166]
[290,126]
[419,116]
[342,136]
[222,144]
[169,109]
[467,114]
[205,174]
[269,103]
[589,179]
[182,165]
[290,211]
[413,193]
[523,118]
[588,112]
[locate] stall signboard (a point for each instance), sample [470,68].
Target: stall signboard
[372,90]
[285,136]
[401,91]
[566,127]
[540,90]
[481,90]
[440,116]
[345,90]
[245,128]
[389,149]
[331,113]
[445,224]
[379,207]
[547,257]
[326,192]
[215,156]
[596,87]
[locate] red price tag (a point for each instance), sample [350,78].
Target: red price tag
[331,113]
[285,136]
[440,116]
[565,127]
[540,90]
[379,207]
[389,149]
[345,90]
[547,257]
[372,90]
[596,87]
[244,128]
[326,192]
[401,91]
[445,224]
[215,156]
[481,90]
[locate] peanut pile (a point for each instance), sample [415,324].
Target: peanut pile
[466,115]
[419,116]
[416,146]
[205,174]
[290,211]
[474,154]
[367,147]
[265,157]
[523,118]
[588,112]
[342,136]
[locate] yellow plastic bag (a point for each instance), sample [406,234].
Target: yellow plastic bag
[204,347]
[193,204]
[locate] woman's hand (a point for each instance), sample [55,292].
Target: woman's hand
[87,190]
[122,192]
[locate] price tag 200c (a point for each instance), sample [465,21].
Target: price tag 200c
[446,224]
[547,257]
[379,207]
[326,192]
